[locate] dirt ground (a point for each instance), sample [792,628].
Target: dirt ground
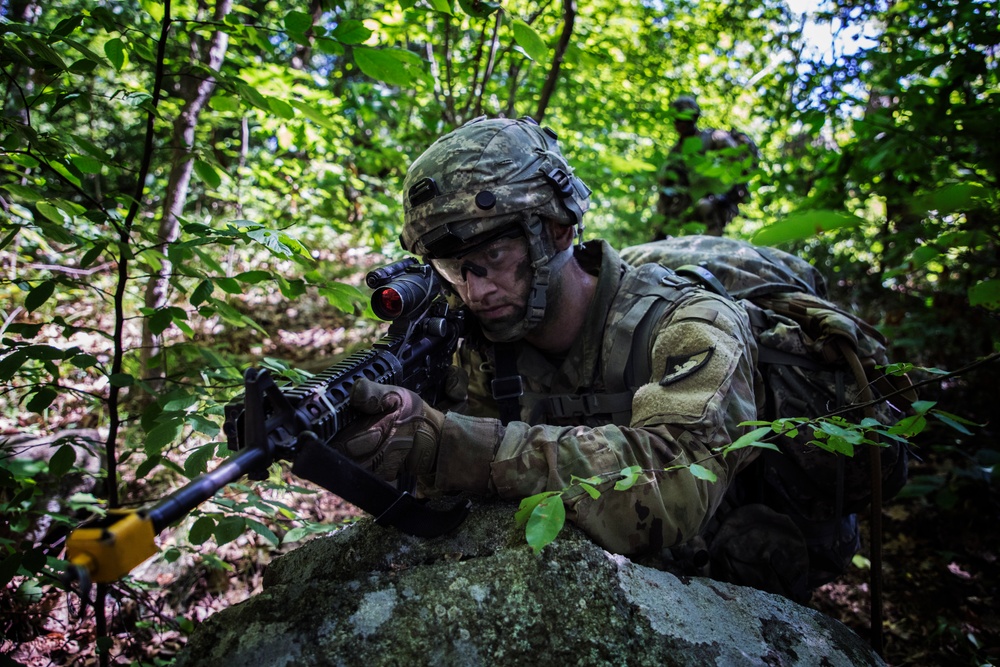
[940,571]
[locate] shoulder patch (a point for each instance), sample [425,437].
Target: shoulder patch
[680,367]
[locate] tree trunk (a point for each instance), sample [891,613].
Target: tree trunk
[196,92]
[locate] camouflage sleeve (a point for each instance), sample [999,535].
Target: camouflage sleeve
[704,384]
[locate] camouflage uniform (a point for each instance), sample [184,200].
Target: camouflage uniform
[704,384]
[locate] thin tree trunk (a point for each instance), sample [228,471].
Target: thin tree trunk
[197,93]
[549,88]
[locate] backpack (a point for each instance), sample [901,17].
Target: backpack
[814,358]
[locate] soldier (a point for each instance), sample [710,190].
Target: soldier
[692,187]
[496,210]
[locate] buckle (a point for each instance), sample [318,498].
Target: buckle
[560,180]
[572,405]
[508,387]
[423,191]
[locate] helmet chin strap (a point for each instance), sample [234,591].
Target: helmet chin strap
[543,271]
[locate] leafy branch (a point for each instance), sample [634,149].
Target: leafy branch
[543,515]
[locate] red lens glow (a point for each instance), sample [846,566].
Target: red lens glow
[392,303]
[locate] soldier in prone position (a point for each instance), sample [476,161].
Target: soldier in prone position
[496,210]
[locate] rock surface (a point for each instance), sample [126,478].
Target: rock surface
[372,596]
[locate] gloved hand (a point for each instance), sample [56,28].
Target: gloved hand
[402,433]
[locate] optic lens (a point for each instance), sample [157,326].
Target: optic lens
[391,304]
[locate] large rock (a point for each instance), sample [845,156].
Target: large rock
[373,596]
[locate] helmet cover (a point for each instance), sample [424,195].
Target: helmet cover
[483,177]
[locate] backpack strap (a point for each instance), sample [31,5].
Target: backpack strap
[704,276]
[507,385]
[625,367]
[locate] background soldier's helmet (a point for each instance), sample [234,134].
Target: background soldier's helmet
[484,177]
[686,108]
[482,181]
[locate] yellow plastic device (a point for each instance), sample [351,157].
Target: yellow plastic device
[111,547]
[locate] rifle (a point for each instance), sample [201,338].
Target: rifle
[271,423]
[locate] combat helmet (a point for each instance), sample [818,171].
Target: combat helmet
[485,179]
[686,108]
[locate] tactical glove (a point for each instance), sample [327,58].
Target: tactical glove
[398,432]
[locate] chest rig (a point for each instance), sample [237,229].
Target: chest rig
[645,297]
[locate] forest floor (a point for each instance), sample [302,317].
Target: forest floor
[940,571]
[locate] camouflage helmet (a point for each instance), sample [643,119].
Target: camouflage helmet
[685,107]
[485,176]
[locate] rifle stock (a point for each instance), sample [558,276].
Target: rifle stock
[297,424]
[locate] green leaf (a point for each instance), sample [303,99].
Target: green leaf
[87,164]
[753,438]
[160,320]
[121,380]
[281,108]
[43,352]
[298,22]
[207,173]
[250,95]
[229,285]
[253,277]
[263,531]
[528,505]
[985,294]
[271,240]
[342,296]
[952,420]
[197,462]
[10,364]
[62,460]
[389,65]
[114,49]
[443,6]
[478,8]
[545,522]
[202,529]
[222,101]
[202,292]
[92,254]
[949,198]
[702,472]
[630,476]
[804,225]
[67,26]
[529,40]
[203,425]
[42,399]
[85,51]
[314,114]
[229,528]
[850,435]
[163,434]
[9,567]
[147,466]
[591,491]
[296,534]
[351,32]
[39,295]
[83,361]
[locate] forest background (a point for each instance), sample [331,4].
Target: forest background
[191,188]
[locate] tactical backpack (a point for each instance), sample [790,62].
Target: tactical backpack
[815,359]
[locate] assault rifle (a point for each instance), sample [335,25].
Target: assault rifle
[271,423]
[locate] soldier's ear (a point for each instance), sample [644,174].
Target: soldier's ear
[560,235]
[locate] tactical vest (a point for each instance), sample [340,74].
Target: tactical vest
[645,297]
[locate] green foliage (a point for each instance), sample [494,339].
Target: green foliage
[879,164]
